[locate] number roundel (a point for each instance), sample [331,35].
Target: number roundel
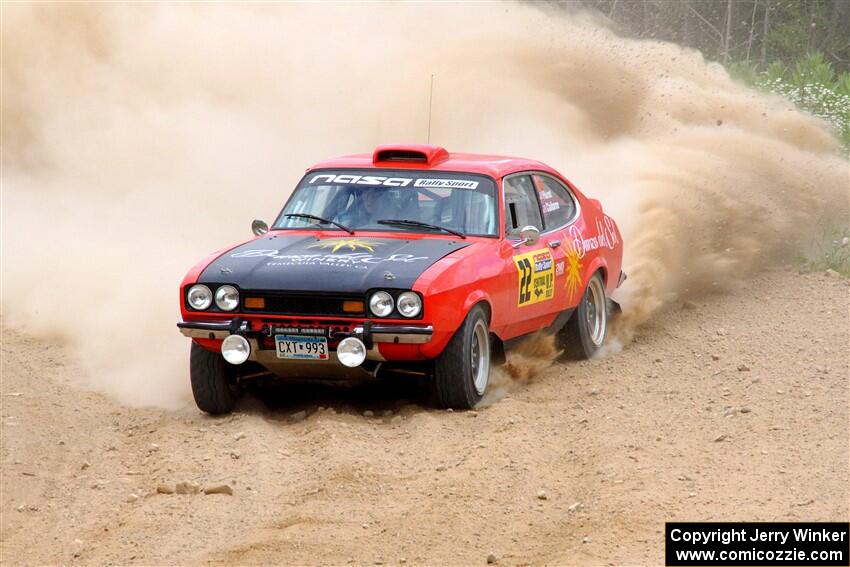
[536,277]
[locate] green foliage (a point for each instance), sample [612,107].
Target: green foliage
[776,71]
[744,71]
[736,30]
[812,84]
[790,33]
[830,251]
[813,68]
[803,27]
[843,84]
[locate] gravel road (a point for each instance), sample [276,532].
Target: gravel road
[732,407]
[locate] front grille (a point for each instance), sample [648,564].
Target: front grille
[301,304]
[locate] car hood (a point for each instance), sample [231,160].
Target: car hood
[342,265]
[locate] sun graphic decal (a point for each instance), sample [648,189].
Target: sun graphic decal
[573,283]
[346,244]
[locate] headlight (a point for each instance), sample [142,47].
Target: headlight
[381,303]
[199,297]
[227,298]
[409,304]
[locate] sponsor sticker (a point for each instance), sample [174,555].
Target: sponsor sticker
[352,260]
[573,279]
[314,331]
[536,277]
[347,244]
[549,206]
[350,179]
[353,179]
[446,183]
[605,237]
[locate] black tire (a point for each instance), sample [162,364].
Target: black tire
[577,337]
[213,381]
[454,372]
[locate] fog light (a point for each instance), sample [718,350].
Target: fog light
[351,352]
[235,349]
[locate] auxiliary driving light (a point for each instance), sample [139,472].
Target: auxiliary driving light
[235,349]
[351,352]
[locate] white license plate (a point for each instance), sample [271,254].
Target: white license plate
[303,348]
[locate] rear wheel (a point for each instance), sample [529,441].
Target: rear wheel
[213,381]
[585,332]
[462,371]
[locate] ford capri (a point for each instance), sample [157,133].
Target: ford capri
[408,260]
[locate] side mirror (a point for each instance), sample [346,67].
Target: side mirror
[529,235]
[259,227]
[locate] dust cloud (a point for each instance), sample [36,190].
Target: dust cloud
[526,361]
[139,138]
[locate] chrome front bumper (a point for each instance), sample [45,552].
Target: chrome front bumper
[369,333]
[205,330]
[397,334]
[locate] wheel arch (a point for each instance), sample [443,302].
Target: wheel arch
[596,266]
[478,297]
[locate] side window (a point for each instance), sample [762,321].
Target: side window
[521,207]
[557,203]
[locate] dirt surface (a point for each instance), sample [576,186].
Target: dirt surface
[734,407]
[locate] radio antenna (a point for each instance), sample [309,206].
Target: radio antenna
[430,104]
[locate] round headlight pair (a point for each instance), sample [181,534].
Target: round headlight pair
[200,297]
[381,304]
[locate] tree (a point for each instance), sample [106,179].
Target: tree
[735,30]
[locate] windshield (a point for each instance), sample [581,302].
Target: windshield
[358,199]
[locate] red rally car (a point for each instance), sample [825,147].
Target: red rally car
[406,260]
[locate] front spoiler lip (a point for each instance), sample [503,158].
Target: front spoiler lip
[369,332]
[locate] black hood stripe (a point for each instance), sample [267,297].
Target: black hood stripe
[339,264]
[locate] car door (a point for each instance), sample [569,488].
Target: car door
[560,211]
[529,268]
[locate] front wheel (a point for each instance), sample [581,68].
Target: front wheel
[213,381]
[462,371]
[585,332]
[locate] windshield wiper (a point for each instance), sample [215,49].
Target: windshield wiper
[320,219]
[406,222]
